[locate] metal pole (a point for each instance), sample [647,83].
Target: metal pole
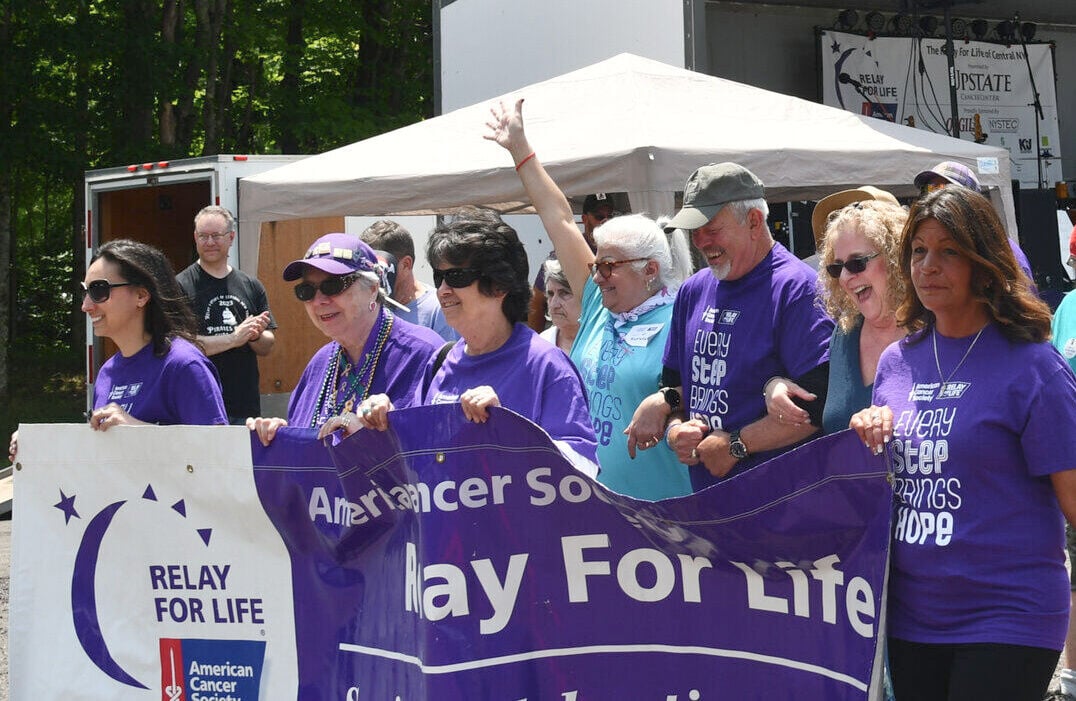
[950,59]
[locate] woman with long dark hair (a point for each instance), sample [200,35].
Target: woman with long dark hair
[978,415]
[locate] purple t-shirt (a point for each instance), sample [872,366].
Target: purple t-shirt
[182,387]
[729,337]
[978,538]
[531,377]
[398,373]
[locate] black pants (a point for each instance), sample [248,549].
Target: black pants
[969,672]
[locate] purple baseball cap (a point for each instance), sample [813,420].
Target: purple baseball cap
[336,254]
[955,173]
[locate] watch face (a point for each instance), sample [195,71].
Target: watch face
[737,449]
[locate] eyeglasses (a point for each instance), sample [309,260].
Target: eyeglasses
[606,266]
[456,277]
[100,290]
[330,287]
[853,265]
[217,238]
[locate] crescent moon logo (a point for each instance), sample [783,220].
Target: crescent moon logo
[83,583]
[84,598]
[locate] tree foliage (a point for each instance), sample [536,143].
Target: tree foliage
[87,84]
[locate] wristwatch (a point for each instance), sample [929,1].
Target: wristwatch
[737,449]
[672,397]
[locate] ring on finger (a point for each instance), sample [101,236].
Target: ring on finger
[694,454]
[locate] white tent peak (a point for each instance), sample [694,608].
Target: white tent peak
[625,124]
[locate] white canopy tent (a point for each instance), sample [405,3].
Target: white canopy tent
[627,124]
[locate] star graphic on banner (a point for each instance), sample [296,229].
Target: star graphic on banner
[67,505]
[835,47]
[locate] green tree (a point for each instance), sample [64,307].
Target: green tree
[86,84]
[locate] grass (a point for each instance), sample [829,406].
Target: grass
[44,387]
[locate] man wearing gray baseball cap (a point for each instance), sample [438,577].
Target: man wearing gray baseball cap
[750,317]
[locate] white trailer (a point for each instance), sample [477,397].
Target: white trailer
[155,202]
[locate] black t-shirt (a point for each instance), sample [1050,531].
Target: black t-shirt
[220,305]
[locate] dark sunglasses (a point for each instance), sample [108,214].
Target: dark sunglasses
[456,277]
[606,266]
[854,265]
[330,287]
[100,290]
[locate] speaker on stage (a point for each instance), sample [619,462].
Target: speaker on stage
[1036,216]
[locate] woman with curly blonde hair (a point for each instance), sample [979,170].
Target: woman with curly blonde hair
[861,287]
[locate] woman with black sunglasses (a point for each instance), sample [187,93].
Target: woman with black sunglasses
[858,234]
[343,288]
[480,271]
[159,375]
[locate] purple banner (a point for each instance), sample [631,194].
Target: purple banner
[449,560]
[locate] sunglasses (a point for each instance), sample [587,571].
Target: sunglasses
[100,290]
[853,265]
[330,287]
[606,266]
[456,277]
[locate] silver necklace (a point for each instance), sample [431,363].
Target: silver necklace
[937,364]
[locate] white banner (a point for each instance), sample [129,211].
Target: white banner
[906,80]
[156,538]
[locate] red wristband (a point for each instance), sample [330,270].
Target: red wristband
[521,163]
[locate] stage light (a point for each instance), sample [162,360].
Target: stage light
[979,27]
[875,21]
[928,24]
[959,28]
[847,19]
[1027,30]
[902,24]
[1005,31]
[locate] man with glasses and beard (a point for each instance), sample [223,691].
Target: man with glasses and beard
[751,316]
[234,323]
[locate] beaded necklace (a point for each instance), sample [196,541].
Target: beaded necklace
[343,387]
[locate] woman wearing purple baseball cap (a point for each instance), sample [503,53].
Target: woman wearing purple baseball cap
[371,351]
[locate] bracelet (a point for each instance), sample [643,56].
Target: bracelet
[521,163]
[669,428]
[766,385]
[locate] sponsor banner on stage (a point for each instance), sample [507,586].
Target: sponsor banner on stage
[441,560]
[994,91]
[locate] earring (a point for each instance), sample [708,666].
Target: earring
[373,303]
[650,285]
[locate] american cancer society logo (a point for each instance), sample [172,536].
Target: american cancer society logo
[211,670]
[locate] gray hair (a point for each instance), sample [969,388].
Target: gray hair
[741,208]
[229,218]
[638,236]
[555,272]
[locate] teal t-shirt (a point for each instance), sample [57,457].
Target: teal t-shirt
[1064,329]
[620,367]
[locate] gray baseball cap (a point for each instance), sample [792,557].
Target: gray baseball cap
[710,188]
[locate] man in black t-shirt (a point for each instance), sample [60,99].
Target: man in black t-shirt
[234,323]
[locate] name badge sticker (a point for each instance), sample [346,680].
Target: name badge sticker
[640,335]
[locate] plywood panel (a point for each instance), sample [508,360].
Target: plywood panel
[296,337]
